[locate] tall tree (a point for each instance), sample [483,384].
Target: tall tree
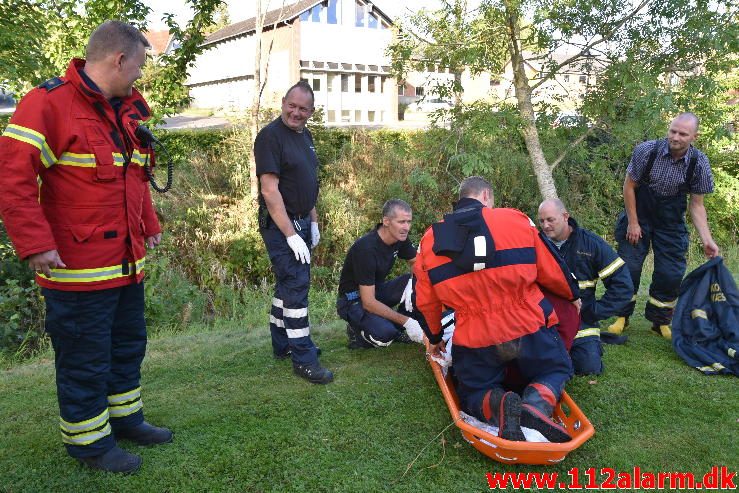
[669,40]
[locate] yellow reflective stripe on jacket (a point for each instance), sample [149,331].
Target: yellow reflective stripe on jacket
[86,425]
[662,304]
[126,403]
[586,284]
[592,331]
[94,275]
[731,352]
[34,138]
[73,159]
[611,268]
[87,438]
[698,314]
[136,158]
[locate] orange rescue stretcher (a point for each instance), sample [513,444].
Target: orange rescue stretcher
[508,452]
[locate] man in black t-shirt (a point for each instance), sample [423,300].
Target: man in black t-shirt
[365,298]
[287,166]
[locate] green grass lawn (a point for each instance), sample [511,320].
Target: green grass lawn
[244,422]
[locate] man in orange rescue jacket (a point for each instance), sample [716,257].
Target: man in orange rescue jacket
[488,265]
[75,200]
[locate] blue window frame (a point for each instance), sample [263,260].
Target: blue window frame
[317,13]
[331,12]
[372,21]
[305,15]
[359,15]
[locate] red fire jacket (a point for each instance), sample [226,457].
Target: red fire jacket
[65,184]
[496,291]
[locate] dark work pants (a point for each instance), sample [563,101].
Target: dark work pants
[288,319]
[99,340]
[541,358]
[376,330]
[669,240]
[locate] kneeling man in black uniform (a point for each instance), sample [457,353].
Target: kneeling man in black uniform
[365,298]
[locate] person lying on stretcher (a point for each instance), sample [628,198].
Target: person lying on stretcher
[490,266]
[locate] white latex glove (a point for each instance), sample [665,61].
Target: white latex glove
[315,235]
[414,330]
[407,295]
[298,246]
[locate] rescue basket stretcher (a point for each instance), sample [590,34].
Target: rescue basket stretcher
[566,413]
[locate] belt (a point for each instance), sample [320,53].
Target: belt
[298,217]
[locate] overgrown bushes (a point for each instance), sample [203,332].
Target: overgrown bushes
[212,264]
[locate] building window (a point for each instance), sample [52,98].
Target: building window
[305,15]
[316,85]
[583,79]
[331,12]
[329,83]
[372,21]
[382,115]
[357,83]
[344,83]
[401,89]
[384,25]
[357,115]
[567,77]
[371,116]
[382,84]
[345,116]
[316,13]
[331,116]
[419,91]
[371,83]
[494,82]
[360,8]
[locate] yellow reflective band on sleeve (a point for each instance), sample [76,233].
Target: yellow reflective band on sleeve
[81,160]
[731,352]
[86,425]
[698,314]
[718,366]
[633,298]
[34,138]
[611,268]
[586,284]
[124,397]
[705,368]
[592,331]
[87,438]
[93,275]
[662,304]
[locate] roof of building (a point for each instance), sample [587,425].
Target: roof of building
[283,14]
[158,41]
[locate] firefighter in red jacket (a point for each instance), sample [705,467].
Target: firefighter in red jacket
[488,265]
[75,201]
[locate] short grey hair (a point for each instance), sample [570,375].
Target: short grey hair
[473,186]
[113,37]
[391,206]
[687,115]
[556,203]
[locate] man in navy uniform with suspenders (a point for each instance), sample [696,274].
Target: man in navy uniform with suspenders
[660,176]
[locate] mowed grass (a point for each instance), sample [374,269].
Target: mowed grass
[244,422]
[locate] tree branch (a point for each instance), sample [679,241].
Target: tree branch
[571,146]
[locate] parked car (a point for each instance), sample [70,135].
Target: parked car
[7,101]
[429,105]
[570,119]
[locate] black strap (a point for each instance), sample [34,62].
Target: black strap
[644,180]
[690,172]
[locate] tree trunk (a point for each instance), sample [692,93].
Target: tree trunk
[256,99]
[542,170]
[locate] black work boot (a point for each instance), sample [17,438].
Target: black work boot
[145,434]
[356,341]
[509,418]
[314,373]
[114,460]
[536,413]
[288,353]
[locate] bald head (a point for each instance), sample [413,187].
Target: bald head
[553,219]
[690,119]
